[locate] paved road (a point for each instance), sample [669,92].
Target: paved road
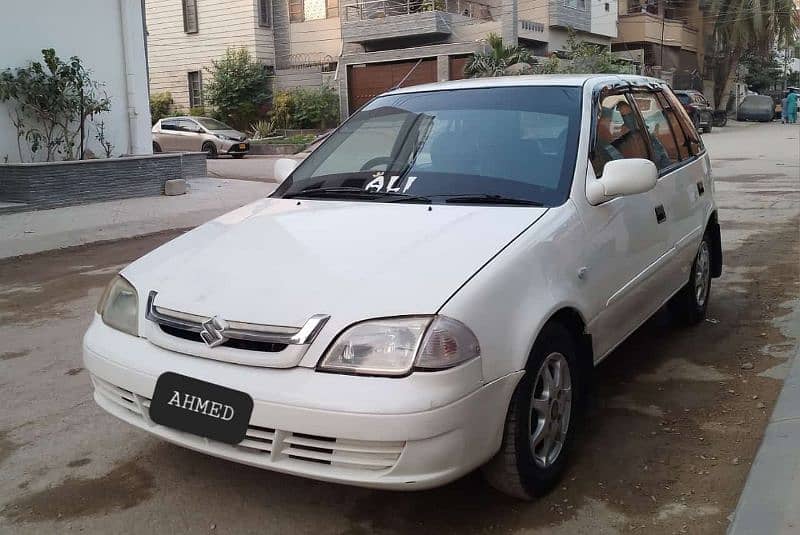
[675,423]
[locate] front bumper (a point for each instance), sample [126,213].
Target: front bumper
[372,448]
[233,147]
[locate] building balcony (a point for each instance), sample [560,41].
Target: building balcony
[647,27]
[376,20]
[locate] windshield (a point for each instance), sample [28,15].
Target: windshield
[212,124]
[505,142]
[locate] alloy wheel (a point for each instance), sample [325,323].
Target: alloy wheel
[702,274]
[551,409]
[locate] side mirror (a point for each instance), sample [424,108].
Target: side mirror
[622,177]
[284,168]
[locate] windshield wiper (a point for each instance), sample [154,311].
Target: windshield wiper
[345,191]
[487,198]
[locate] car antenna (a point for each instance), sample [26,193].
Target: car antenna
[398,84]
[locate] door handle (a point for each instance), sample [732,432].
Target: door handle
[661,214]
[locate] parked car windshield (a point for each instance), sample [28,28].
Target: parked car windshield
[212,124]
[515,144]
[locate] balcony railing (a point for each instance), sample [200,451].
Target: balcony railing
[531,26]
[379,9]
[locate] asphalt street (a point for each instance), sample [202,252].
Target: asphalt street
[674,424]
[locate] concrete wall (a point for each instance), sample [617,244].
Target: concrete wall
[316,38]
[604,17]
[221,25]
[49,185]
[93,31]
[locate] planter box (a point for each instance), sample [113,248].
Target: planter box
[54,184]
[269,149]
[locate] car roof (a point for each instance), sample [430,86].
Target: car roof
[560,80]
[192,117]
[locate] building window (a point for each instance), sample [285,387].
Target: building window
[190,16]
[303,10]
[195,89]
[575,4]
[264,13]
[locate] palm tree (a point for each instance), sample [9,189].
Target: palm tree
[743,25]
[496,59]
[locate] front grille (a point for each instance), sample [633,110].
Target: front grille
[248,345]
[275,445]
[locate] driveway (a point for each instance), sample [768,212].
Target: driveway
[676,417]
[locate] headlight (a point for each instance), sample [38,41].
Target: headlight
[223,136]
[394,346]
[119,306]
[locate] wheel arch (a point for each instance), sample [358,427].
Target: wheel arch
[713,230]
[571,319]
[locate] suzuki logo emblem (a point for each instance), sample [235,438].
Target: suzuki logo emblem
[213,333]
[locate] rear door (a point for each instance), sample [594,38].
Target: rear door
[680,186]
[168,139]
[627,239]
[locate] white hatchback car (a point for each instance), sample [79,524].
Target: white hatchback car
[427,293]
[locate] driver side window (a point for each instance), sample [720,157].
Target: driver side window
[617,134]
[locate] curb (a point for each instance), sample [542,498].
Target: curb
[770,500]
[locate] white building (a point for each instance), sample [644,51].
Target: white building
[108,37]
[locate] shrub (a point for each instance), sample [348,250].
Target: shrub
[239,86]
[160,104]
[197,111]
[306,108]
[262,129]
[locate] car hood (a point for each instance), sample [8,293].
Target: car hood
[280,261]
[235,134]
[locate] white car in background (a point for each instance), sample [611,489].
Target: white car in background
[428,292]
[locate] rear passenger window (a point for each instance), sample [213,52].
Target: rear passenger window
[618,135]
[695,144]
[680,135]
[665,148]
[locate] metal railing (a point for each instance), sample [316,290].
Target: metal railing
[379,9]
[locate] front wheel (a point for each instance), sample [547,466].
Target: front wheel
[707,129]
[690,304]
[210,149]
[541,420]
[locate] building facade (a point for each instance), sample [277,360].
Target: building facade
[108,37]
[358,47]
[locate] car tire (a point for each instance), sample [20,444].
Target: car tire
[156,148]
[696,122]
[707,129]
[690,304]
[210,149]
[531,462]
[237,156]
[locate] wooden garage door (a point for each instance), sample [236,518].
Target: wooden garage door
[457,64]
[369,80]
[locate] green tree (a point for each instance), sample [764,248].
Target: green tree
[239,87]
[764,72]
[498,60]
[742,25]
[591,58]
[52,101]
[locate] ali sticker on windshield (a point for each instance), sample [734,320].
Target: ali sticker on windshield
[392,185]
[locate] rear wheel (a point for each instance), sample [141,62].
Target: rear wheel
[690,304]
[541,420]
[156,148]
[210,149]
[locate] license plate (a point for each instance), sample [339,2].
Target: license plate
[201,408]
[242,146]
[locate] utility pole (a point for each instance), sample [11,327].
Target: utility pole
[663,9]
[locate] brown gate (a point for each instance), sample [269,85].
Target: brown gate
[368,80]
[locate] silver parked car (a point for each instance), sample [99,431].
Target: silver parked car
[199,134]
